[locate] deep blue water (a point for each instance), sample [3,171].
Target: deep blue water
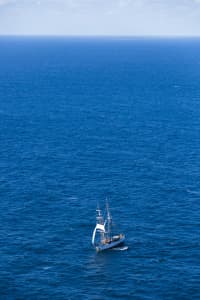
[86,119]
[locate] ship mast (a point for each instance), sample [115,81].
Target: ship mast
[100,221]
[100,227]
[109,219]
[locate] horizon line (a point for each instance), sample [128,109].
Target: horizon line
[100,36]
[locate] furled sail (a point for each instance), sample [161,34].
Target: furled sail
[100,227]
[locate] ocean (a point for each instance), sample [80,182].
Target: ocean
[82,120]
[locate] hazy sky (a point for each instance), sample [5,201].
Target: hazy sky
[100,17]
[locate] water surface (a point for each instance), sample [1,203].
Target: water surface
[86,119]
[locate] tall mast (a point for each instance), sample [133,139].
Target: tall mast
[100,220]
[109,218]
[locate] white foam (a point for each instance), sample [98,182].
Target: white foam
[120,248]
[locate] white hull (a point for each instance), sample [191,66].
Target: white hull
[110,245]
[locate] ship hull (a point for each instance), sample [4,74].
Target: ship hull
[112,244]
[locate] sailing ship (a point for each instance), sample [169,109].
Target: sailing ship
[103,237]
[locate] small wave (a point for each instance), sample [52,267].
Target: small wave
[46,268]
[193,192]
[72,198]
